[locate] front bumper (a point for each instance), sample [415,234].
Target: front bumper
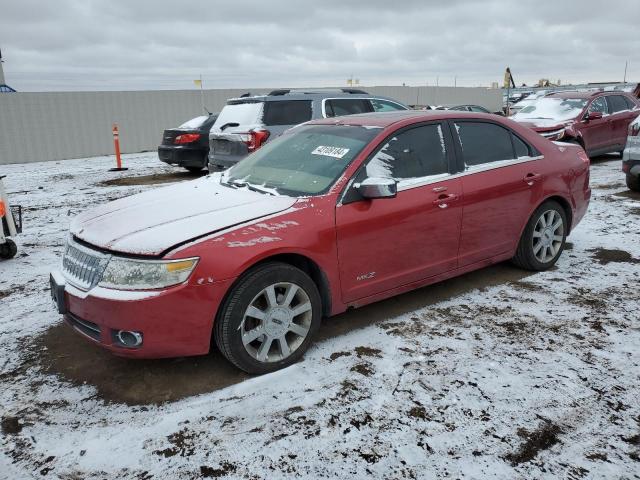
[174,322]
[183,156]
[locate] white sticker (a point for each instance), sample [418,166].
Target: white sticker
[335,152]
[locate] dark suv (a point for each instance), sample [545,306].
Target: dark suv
[247,123]
[598,120]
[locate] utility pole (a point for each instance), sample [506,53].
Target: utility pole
[1,71]
[626,63]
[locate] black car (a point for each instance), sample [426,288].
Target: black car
[188,145]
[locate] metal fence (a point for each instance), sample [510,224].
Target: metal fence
[37,127]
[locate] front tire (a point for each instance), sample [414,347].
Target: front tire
[633,182]
[269,319]
[543,238]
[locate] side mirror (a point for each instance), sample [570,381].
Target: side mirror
[377,187]
[593,115]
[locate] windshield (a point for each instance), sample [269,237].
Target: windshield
[306,161]
[248,113]
[552,108]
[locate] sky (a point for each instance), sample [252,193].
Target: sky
[52,45]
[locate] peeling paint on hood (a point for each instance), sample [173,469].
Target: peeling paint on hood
[152,222]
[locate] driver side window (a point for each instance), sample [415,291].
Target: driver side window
[414,153]
[599,105]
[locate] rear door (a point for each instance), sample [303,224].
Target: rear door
[621,117]
[501,180]
[390,242]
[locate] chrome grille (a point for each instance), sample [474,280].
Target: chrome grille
[82,266]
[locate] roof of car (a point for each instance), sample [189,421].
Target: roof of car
[319,94]
[385,119]
[582,93]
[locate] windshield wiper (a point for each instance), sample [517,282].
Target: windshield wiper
[254,188]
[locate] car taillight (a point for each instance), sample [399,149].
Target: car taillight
[186,138]
[256,139]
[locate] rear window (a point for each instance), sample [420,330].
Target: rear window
[630,103]
[247,113]
[287,112]
[617,103]
[484,142]
[195,122]
[346,106]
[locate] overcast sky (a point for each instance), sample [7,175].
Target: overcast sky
[158,44]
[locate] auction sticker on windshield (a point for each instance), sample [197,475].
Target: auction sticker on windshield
[336,152]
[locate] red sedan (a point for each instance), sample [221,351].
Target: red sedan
[335,213]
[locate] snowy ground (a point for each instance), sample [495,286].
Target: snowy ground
[499,373]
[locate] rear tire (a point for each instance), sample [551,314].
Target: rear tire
[8,250]
[269,318]
[543,238]
[633,182]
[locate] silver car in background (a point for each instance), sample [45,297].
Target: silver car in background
[247,123]
[631,156]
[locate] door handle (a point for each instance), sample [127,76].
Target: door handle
[531,178]
[443,200]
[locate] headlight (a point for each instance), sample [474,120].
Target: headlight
[554,135]
[129,274]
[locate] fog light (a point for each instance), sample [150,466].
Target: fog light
[129,339]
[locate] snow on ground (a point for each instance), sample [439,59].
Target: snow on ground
[499,373]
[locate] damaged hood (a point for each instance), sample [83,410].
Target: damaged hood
[152,222]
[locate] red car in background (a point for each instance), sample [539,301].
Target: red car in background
[336,213]
[597,121]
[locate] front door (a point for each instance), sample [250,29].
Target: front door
[390,242]
[596,133]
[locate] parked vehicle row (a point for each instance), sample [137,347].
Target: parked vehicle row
[246,123]
[332,214]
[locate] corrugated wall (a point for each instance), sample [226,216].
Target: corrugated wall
[37,127]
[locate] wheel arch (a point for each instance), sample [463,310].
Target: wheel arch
[304,263]
[566,206]
[564,203]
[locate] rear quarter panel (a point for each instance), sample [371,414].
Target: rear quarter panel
[565,173]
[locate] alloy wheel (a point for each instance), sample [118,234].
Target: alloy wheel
[548,235]
[276,322]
